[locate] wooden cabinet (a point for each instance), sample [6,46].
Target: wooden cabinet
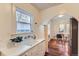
[38,50]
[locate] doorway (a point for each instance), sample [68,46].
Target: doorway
[67,27]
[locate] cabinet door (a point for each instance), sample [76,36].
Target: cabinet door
[24,54]
[35,51]
[29,53]
[38,50]
[42,48]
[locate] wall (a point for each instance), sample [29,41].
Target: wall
[5,22]
[55,25]
[8,20]
[71,9]
[30,9]
[49,13]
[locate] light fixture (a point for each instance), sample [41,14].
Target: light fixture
[60,15]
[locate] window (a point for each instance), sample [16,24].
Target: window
[23,20]
[62,28]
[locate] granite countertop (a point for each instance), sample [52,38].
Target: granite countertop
[18,50]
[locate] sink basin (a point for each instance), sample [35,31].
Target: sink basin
[28,42]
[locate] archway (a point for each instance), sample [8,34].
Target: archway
[64,24]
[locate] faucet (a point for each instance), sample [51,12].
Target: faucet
[30,36]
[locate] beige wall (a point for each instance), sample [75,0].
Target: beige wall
[49,13]
[8,19]
[5,21]
[71,9]
[8,22]
[29,8]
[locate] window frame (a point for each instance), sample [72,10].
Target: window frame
[31,20]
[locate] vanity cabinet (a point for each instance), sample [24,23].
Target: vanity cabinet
[37,50]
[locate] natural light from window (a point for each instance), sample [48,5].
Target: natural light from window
[23,21]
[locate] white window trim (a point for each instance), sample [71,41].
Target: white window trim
[29,14]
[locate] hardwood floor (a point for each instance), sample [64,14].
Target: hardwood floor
[58,48]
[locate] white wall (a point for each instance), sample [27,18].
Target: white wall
[55,24]
[71,9]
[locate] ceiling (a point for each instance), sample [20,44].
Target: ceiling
[62,16]
[42,6]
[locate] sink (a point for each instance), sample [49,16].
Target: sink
[28,42]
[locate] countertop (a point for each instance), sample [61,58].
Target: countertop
[18,50]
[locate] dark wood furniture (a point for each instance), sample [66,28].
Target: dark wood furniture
[74,33]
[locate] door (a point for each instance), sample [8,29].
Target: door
[74,39]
